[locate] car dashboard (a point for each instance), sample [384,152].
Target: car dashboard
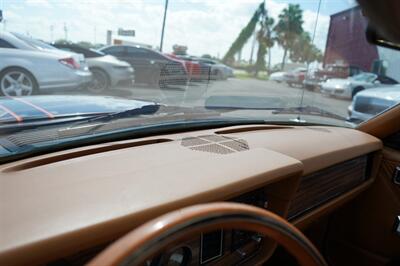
[67,206]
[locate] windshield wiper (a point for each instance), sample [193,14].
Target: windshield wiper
[144,110]
[307,110]
[156,111]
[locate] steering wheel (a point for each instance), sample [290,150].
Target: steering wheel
[156,235]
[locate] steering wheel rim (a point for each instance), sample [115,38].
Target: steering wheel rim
[150,238]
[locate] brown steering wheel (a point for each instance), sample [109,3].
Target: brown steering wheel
[156,235]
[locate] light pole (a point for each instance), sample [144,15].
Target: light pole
[163,25]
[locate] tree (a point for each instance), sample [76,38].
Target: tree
[86,45]
[288,28]
[206,56]
[62,41]
[265,42]
[304,51]
[244,35]
[301,48]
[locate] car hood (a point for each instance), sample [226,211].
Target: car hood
[388,93]
[53,108]
[337,82]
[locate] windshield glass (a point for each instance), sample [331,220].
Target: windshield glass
[33,42]
[206,63]
[366,77]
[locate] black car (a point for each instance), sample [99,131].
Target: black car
[151,66]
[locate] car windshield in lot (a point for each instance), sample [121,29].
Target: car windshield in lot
[367,77]
[74,72]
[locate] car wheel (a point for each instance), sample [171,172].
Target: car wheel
[100,81]
[356,90]
[17,82]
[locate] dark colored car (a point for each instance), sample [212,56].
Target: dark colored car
[150,66]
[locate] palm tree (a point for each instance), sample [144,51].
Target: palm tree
[288,28]
[268,38]
[244,35]
[304,51]
[265,42]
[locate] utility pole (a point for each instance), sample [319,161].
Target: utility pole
[52,33]
[65,32]
[163,25]
[95,33]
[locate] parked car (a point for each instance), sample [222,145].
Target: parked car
[218,70]
[192,66]
[277,76]
[295,77]
[313,80]
[107,70]
[45,47]
[26,70]
[150,66]
[367,104]
[347,88]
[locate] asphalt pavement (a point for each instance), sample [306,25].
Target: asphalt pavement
[195,94]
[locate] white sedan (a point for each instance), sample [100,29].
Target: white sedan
[347,88]
[26,70]
[277,76]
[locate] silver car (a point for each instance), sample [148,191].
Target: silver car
[219,71]
[26,70]
[367,104]
[107,70]
[348,88]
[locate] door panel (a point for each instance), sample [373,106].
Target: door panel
[146,69]
[363,231]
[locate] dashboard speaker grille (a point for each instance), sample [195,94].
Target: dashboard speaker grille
[215,144]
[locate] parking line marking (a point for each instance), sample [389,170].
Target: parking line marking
[49,115]
[17,117]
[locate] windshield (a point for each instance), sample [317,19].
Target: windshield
[33,42]
[366,77]
[205,63]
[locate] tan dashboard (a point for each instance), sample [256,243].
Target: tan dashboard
[58,204]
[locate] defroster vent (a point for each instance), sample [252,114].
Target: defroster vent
[215,144]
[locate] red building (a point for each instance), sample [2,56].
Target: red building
[346,43]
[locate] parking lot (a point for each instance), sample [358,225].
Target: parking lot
[196,93]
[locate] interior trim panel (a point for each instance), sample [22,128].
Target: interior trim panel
[66,202]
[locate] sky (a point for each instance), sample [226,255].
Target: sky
[205,26]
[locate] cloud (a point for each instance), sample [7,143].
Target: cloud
[38,3]
[205,26]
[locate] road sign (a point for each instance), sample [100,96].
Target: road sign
[122,32]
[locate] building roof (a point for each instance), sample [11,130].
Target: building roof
[346,11]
